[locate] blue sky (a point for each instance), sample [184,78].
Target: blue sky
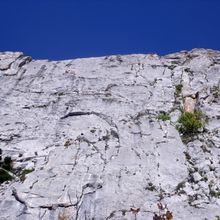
[64,29]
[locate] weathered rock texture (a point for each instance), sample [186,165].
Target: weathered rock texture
[89,129]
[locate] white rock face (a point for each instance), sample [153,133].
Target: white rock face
[89,128]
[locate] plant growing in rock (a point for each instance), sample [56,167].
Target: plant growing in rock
[190,122]
[215,193]
[5,167]
[164,213]
[4,176]
[24,172]
[178,89]
[163,116]
[7,163]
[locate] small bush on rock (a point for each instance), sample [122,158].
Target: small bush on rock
[163,116]
[190,123]
[7,163]
[24,173]
[215,194]
[178,89]
[5,166]
[4,176]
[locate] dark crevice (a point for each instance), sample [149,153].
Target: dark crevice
[71,114]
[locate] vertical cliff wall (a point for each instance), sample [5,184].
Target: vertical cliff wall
[88,138]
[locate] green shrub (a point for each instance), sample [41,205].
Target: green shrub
[4,176]
[7,164]
[178,89]
[215,194]
[24,173]
[190,123]
[163,116]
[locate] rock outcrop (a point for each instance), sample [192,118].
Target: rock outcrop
[86,141]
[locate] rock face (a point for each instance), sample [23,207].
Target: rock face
[88,129]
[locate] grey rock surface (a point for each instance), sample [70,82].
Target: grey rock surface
[89,130]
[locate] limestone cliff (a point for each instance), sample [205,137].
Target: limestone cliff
[90,132]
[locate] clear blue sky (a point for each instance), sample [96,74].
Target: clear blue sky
[63,29]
